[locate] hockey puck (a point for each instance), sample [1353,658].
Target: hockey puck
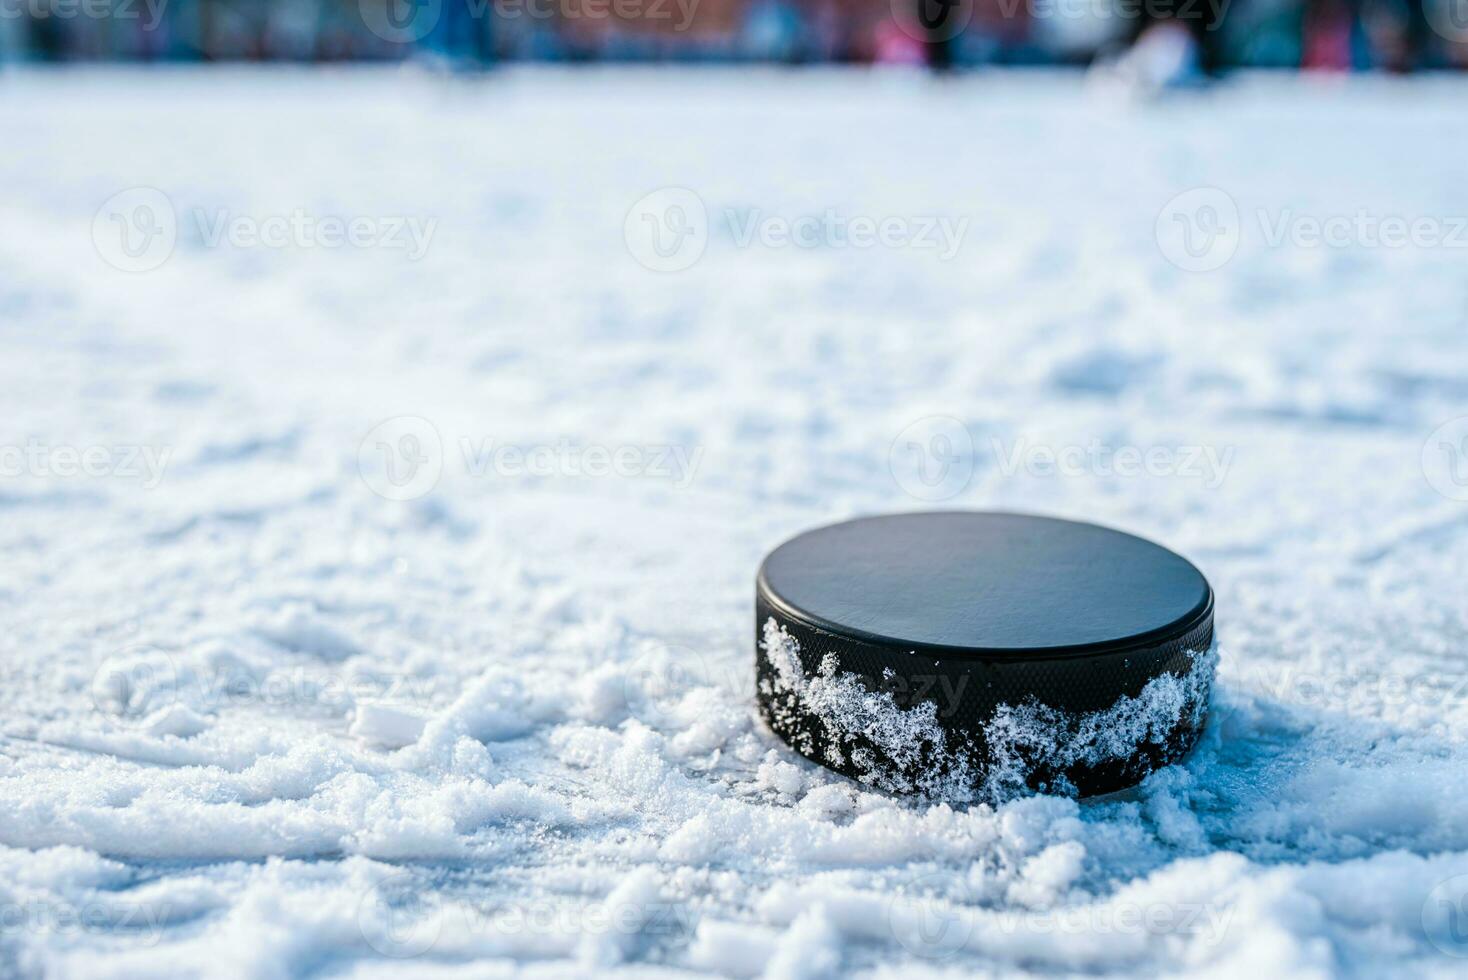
[974,656]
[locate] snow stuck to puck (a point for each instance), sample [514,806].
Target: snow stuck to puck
[975,656]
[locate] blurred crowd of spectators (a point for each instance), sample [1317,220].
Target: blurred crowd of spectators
[1395,35]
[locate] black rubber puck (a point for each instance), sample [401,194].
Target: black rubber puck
[972,656]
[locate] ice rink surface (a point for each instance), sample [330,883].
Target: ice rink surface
[382,607]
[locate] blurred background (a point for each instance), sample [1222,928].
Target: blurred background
[1183,38]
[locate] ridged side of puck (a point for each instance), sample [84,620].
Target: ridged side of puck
[969,724]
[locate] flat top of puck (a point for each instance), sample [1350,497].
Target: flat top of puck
[985,584]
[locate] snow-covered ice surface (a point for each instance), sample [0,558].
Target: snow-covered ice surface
[259,719]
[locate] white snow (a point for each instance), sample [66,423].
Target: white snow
[385,725]
[219,642]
